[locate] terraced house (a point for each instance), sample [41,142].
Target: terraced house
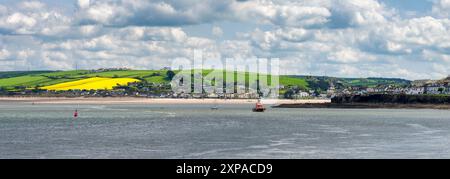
[433,86]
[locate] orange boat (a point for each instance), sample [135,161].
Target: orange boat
[259,107]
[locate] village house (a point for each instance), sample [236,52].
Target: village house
[415,90]
[375,90]
[434,88]
[331,92]
[300,95]
[430,86]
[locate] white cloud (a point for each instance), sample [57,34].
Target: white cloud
[25,54]
[429,55]
[441,8]
[346,56]
[137,47]
[333,37]
[408,36]
[217,31]
[3,10]
[83,3]
[56,61]
[88,30]
[146,13]
[358,13]
[4,54]
[184,12]
[33,18]
[290,14]
[32,5]
[19,22]
[239,49]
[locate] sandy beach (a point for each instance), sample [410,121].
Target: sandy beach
[131,100]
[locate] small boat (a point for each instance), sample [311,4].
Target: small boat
[259,107]
[75,114]
[216,106]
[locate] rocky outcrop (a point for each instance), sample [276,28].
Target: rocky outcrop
[395,99]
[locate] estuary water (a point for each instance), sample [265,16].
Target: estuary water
[233,131]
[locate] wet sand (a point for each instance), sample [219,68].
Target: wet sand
[131,100]
[364,105]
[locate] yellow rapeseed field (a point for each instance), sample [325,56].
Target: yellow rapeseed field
[95,83]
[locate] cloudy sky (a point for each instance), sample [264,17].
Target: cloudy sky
[346,38]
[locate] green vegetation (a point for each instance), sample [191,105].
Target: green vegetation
[11,74]
[26,81]
[322,83]
[33,79]
[170,74]
[293,81]
[373,82]
[46,78]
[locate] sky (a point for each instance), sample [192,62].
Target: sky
[407,39]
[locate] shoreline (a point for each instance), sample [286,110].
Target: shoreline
[280,103]
[366,106]
[137,100]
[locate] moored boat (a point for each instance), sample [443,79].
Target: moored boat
[259,107]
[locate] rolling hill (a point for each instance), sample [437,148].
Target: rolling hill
[38,79]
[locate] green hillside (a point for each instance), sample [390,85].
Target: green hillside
[373,82]
[323,82]
[31,80]
[11,80]
[10,74]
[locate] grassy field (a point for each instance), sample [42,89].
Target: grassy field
[27,81]
[11,74]
[57,77]
[283,80]
[33,79]
[373,82]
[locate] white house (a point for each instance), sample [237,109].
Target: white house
[415,90]
[434,89]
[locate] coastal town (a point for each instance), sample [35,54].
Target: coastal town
[322,88]
[417,87]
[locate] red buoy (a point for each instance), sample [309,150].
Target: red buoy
[75,114]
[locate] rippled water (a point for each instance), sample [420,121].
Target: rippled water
[233,131]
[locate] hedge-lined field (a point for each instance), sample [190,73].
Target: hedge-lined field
[44,79]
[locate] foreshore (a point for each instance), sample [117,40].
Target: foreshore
[136,100]
[365,106]
[280,103]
